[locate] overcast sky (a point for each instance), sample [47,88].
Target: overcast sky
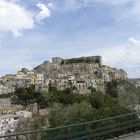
[32,31]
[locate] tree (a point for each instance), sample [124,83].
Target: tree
[96,100]
[60,115]
[52,96]
[29,95]
[92,89]
[23,97]
[111,88]
[36,97]
[67,97]
[7,95]
[39,99]
[128,96]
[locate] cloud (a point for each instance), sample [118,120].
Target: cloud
[44,13]
[134,41]
[14,18]
[50,5]
[123,55]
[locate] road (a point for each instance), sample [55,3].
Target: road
[131,137]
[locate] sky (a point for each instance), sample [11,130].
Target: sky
[33,31]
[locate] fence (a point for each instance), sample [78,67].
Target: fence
[93,130]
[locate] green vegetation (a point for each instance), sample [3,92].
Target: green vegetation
[8,95]
[111,88]
[27,96]
[82,108]
[65,97]
[70,108]
[66,107]
[118,93]
[90,107]
[120,96]
[126,93]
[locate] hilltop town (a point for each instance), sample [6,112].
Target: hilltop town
[75,79]
[81,73]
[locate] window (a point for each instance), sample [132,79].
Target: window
[16,118]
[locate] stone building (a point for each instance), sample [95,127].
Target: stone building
[8,124]
[134,81]
[81,72]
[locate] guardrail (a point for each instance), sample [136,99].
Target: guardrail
[93,130]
